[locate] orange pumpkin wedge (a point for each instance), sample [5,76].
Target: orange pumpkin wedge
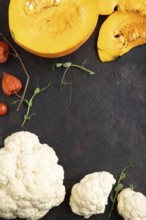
[52,28]
[119,33]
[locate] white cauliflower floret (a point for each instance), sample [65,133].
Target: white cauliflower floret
[90,196]
[131,205]
[31,181]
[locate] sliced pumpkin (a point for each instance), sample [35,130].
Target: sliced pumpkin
[52,28]
[120,33]
[133,5]
[106,7]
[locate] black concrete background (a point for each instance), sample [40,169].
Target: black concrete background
[99,124]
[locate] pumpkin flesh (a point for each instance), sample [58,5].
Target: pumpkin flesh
[52,28]
[120,33]
[106,7]
[133,5]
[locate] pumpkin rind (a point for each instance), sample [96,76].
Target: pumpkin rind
[52,30]
[120,33]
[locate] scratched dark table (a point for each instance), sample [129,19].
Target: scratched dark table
[99,123]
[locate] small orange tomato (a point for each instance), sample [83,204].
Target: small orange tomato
[4,51]
[3,108]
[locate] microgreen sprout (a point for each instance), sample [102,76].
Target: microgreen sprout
[67,65]
[29,103]
[119,186]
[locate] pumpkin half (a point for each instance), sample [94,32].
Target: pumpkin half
[120,33]
[52,28]
[106,7]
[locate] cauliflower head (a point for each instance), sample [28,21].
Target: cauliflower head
[31,181]
[90,196]
[131,205]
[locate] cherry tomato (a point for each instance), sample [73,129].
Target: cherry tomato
[4,51]
[3,108]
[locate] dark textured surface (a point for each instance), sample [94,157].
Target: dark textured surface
[99,125]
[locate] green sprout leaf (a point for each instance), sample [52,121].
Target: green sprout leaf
[119,186]
[29,103]
[15,102]
[37,90]
[58,65]
[27,117]
[67,65]
[123,176]
[132,186]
